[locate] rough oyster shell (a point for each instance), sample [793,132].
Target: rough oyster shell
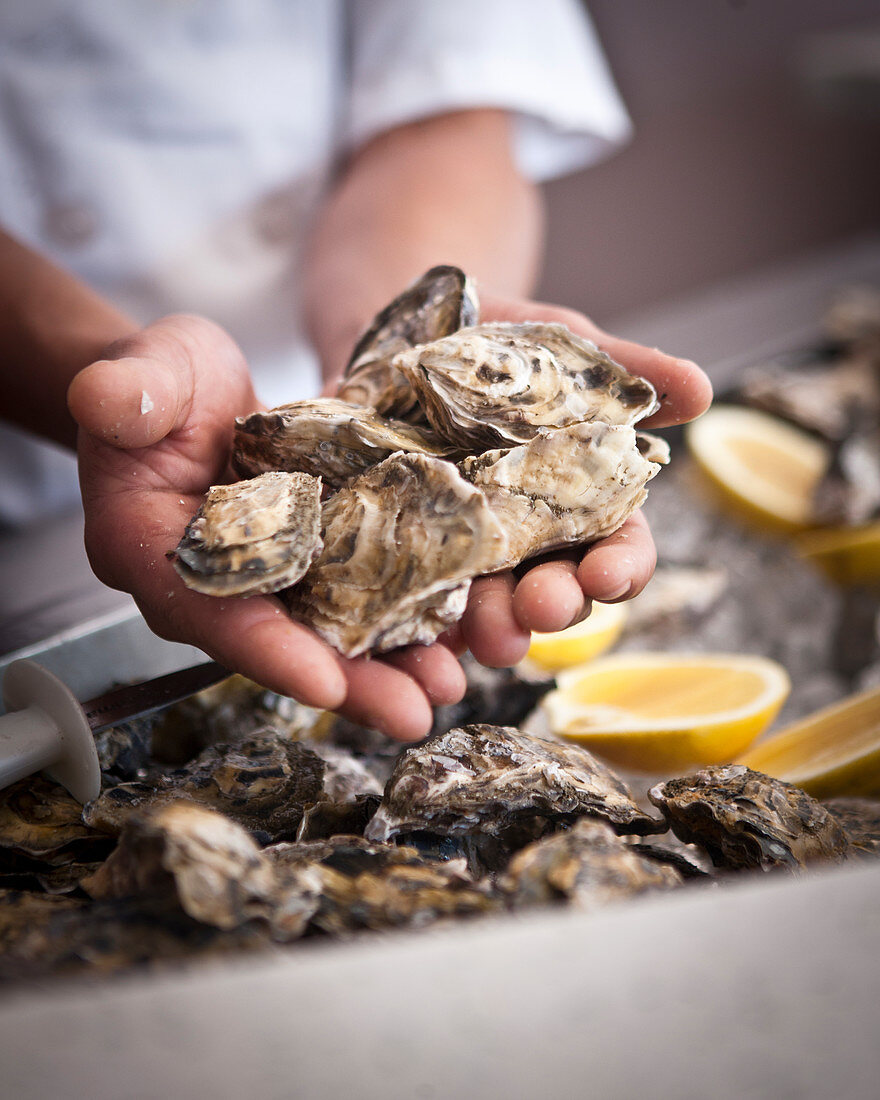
[401,545]
[494,385]
[217,873]
[40,819]
[572,485]
[252,537]
[263,783]
[365,885]
[488,778]
[327,438]
[439,303]
[587,865]
[746,819]
[860,819]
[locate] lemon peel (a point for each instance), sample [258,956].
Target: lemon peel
[579,643]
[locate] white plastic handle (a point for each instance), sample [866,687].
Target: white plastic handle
[45,729]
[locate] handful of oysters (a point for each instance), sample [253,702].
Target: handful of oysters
[453,449]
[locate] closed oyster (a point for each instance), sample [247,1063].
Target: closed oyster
[587,865]
[494,385]
[263,783]
[439,303]
[41,820]
[216,873]
[487,779]
[860,819]
[401,545]
[572,485]
[377,886]
[252,537]
[327,438]
[747,820]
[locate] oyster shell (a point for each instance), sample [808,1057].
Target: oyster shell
[40,819]
[252,537]
[587,865]
[377,886]
[401,545]
[439,303]
[572,485]
[216,873]
[745,819]
[494,385]
[860,819]
[327,438]
[489,778]
[262,783]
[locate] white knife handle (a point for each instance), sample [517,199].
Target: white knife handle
[45,729]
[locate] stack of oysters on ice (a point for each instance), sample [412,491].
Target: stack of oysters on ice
[453,449]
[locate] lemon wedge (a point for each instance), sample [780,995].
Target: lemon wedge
[848,555]
[581,642]
[835,751]
[763,469]
[663,713]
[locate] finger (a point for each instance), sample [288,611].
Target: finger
[255,637]
[489,626]
[130,402]
[384,698]
[620,565]
[149,383]
[453,639]
[549,596]
[434,669]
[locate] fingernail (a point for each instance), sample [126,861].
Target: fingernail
[618,593]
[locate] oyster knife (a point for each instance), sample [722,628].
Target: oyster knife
[47,729]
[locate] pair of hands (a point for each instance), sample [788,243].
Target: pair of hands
[156,420]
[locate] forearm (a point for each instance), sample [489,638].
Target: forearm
[443,190]
[51,326]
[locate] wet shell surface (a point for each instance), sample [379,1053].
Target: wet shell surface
[263,783]
[401,545]
[252,537]
[587,865]
[494,385]
[327,438]
[745,819]
[486,779]
[442,301]
[566,486]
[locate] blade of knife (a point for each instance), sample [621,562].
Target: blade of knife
[136,700]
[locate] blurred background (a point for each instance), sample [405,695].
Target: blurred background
[756,139]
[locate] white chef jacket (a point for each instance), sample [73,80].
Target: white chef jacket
[171,152]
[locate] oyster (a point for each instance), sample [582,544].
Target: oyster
[40,819]
[860,819]
[216,873]
[263,783]
[745,819]
[489,778]
[331,439]
[439,303]
[21,912]
[252,537]
[365,885]
[401,545]
[494,385]
[572,485]
[587,865]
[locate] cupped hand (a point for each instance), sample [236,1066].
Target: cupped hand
[156,419]
[504,609]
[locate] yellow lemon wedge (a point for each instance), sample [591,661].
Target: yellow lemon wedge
[763,469]
[665,713]
[835,751]
[581,642]
[848,555]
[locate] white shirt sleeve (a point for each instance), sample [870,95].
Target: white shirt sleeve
[539,59]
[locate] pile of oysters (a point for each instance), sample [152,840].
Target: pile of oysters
[291,828]
[453,449]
